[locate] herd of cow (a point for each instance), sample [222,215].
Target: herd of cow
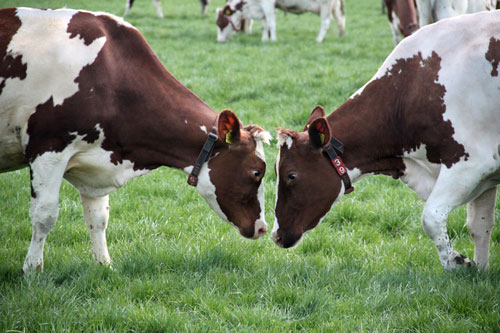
[83,97]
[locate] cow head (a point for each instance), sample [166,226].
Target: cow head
[232,180]
[307,183]
[229,20]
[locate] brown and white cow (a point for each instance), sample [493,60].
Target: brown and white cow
[229,18]
[402,18]
[430,116]
[159,11]
[430,11]
[83,97]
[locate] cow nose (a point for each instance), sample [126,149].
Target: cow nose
[277,239]
[260,229]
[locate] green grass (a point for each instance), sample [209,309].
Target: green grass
[178,267]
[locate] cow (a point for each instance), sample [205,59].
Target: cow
[159,11]
[430,11]
[235,11]
[430,117]
[83,97]
[402,18]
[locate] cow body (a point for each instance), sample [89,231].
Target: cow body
[430,117]
[237,10]
[402,18]
[159,11]
[83,97]
[430,11]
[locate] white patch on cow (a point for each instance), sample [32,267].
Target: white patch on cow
[277,169]
[204,129]
[90,169]
[207,189]
[61,58]
[420,175]
[285,139]
[260,138]
[355,174]
[185,121]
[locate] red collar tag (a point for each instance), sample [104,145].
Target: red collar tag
[339,166]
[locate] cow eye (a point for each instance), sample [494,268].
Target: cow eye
[292,176]
[256,173]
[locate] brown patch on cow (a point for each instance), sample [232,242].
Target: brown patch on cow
[493,55]
[88,33]
[143,110]
[398,113]
[11,66]
[222,20]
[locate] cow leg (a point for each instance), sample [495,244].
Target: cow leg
[96,215]
[265,30]
[396,36]
[450,191]
[46,177]
[157,5]
[424,8]
[204,5]
[326,19]
[270,21]
[443,9]
[480,221]
[338,12]
[128,5]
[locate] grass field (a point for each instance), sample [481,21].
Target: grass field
[177,267]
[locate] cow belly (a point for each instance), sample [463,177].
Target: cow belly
[94,175]
[420,175]
[299,6]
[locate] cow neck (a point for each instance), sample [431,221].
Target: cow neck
[369,145]
[177,130]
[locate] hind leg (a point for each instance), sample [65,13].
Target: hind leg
[128,5]
[480,221]
[451,190]
[46,177]
[326,19]
[96,215]
[339,14]
[157,5]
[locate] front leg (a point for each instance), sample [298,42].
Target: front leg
[96,215]
[454,187]
[46,173]
[270,21]
[326,19]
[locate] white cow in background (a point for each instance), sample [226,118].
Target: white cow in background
[230,17]
[430,11]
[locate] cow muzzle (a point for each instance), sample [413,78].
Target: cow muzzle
[286,241]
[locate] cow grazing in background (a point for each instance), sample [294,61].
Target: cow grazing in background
[235,11]
[83,97]
[430,116]
[430,11]
[402,18]
[159,11]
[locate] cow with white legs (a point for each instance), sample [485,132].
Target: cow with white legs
[430,117]
[84,98]
[237,10]
[430,11]
[402,17]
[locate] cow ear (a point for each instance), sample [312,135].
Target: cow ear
[228,127]
[319,132]
[318,112]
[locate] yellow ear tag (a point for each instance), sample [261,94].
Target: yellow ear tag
[308,125]
[228,137]
[322,137]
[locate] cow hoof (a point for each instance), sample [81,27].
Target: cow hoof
[461,260]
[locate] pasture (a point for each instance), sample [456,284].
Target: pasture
[178,267]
